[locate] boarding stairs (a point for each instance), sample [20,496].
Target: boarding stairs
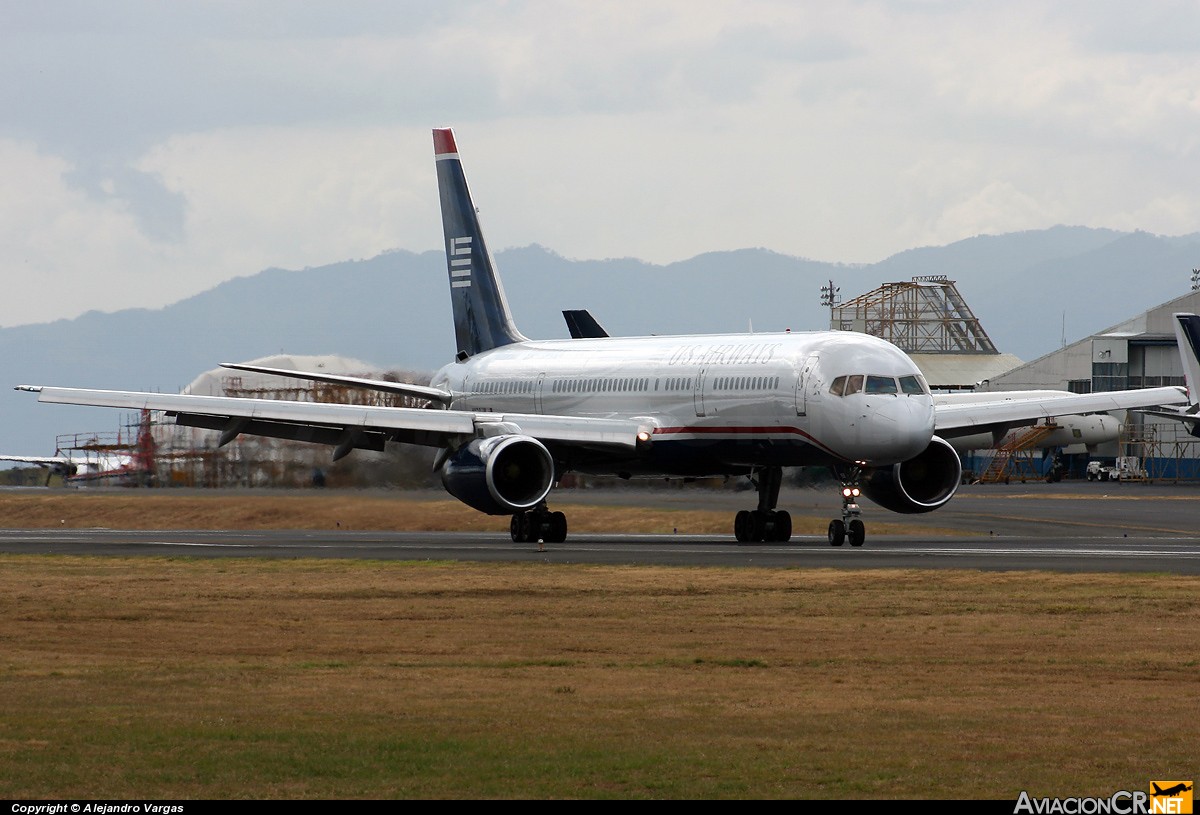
[1014,457]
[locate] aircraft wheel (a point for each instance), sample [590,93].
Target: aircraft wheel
[742,526]
[837,532]
[757,528]
[783,526]
[558,528]
[518,528]
[857,533]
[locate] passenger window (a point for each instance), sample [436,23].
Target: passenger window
[911,385]
[854,384]
[881,384]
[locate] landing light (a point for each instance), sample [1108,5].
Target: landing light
[850,492]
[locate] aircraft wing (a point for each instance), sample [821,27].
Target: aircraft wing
[346,427]
[403,388]
[967,418]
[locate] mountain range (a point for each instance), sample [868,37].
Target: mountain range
[1032,292]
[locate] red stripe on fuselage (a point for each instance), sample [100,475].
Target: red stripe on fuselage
[745,431]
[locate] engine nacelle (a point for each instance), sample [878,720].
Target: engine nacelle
[501,475]
[921,484]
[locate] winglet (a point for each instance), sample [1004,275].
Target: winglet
[1187,335]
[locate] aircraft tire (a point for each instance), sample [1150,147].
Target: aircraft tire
[783,526]
[757,527]
[742,526]
[518,527]
[857,533]
[837,532]
[558,528]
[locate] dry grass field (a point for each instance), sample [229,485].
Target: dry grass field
[173,678]
[376,511]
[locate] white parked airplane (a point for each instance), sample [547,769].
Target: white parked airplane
[102,468]
[517,413]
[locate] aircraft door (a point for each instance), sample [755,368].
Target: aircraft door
[537,394]
[806,382]
[700,392]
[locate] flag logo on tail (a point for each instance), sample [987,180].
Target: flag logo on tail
[460,263]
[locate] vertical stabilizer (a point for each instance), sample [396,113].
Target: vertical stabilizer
[1187,335]
[482,320]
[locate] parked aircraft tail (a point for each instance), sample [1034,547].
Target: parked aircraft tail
[482,319]
[1187,335]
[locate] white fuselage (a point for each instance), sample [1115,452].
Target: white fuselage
[736,400]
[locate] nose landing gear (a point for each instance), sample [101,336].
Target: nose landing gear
[850,525]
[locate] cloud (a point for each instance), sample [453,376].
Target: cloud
[187,144]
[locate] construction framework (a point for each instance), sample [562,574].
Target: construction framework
[190,457]
[924,316]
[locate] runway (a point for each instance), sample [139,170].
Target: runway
[1064,527]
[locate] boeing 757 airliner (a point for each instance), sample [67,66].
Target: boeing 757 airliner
[517,414]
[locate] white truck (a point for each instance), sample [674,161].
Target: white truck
[1126,468]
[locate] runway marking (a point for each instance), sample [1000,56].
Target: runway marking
[1088,524]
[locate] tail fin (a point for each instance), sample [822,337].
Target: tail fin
[583,325]
[482,320]
[1187,335]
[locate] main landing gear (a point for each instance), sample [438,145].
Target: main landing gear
[850,525]
[538,524]
[765,523]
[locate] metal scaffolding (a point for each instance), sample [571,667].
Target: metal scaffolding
[924,316]
[190,456]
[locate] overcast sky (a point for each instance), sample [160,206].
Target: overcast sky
[150,150]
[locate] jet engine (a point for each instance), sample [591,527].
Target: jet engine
[500,475]
[921,484]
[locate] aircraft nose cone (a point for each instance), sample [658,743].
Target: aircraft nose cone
[892,429]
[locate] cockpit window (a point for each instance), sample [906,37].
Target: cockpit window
[881,384]
[912,385]
[854,384]
[838,387]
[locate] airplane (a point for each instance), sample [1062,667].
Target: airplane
[1187,336]
[1090,431]
[510,415]
[71,468]
[1171,791]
